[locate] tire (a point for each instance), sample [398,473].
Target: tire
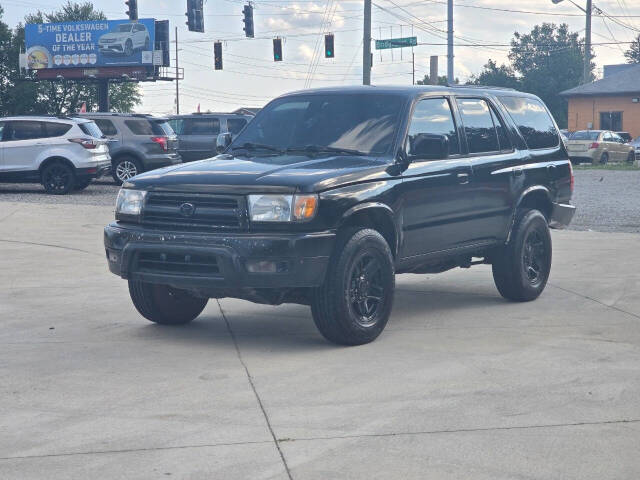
[604,158]
[165,305]
[58,178]
[128,48]
[82,184]
[124,168]
[631,158]
[340,310]
[521,268]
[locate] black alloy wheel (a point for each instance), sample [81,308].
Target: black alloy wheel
[366,289]
[58,178]
[533,257]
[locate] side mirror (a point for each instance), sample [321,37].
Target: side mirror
[428,146]
[223,141]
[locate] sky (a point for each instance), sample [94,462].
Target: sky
[250,77]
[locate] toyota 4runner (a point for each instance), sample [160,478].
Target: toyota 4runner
[328,194]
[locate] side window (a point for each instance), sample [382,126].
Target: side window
[503,138]
[533,121]
[106,126]
[235,125]
[178,125]
[139,127]
[26,130]
[203,126]
[478,125]
[433,116]
[55,129]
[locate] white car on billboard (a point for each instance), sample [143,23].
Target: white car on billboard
[125,39]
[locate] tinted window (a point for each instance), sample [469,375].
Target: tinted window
[501,130]
[25,130]
[533,121]
[611,120]
[585,135]
[177,124]
[433,116]
[162,128]
[140,127]
[363,122]
[106,126]
[203,126]
[478,125]
[52,129]
[235,125]
[90,128]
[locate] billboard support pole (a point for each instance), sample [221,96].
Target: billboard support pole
[177,82]
[103,95]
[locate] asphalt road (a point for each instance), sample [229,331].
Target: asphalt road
[461,385]
[607,200]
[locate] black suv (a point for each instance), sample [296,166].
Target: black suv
[328,193]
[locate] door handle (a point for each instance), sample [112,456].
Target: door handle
[463,178]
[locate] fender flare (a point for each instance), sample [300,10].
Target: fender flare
[526,192]
[386,210]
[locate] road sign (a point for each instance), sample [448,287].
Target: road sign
[396,43]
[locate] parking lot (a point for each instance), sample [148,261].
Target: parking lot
[461,384]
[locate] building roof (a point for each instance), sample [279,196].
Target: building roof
[624,82]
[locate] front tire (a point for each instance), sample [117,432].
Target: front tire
[521,268]
[164,304]
[353,305]
[58,178]
[604,158]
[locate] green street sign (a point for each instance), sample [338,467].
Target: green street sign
[396,43]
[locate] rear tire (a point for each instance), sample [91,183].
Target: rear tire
[124,168]
[164,304]
[58,178]
[521,268]
[353,305]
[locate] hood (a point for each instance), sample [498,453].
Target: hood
[283,173]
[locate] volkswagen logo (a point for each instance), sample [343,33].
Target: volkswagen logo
[187,209]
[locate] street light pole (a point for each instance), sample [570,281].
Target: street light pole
[450,76]
[366,45]
[586,73]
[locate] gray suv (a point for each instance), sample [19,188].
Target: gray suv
[137,142]
[197,132]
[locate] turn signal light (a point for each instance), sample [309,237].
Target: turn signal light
[304,207]
[594,145]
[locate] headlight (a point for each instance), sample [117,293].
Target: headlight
[282,208]
[129,202]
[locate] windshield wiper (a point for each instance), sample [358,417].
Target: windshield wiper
[250,147]
[310,149]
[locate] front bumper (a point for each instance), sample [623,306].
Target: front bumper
[561,215]
[302,258]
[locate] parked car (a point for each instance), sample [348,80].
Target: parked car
[63,154]
[127,38]
[598,147]
[197,132]
[636,145]
[328,193]
[626,136]
[137,143]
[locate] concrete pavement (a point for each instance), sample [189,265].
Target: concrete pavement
[461,384]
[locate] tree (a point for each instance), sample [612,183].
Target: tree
[633,54]
[545,62]
[24,96]
[442,80]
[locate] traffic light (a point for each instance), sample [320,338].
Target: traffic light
[132,11]
[329,52]
[195,16]
[277,49]
[248,20]
[217,56]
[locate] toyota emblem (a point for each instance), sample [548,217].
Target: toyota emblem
[187,209]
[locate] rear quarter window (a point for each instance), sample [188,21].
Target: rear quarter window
[53,129]
[533,121]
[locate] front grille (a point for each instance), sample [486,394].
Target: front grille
[178,264]
[194,212]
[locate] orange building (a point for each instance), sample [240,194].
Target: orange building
[612,103]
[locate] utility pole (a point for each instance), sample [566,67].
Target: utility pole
[366,45]
[413,68]
[450,76]
[587,45]
[177,76]
[103,95]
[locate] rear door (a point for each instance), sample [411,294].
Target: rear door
[109,130]
[621,149]
[199,139]
[24,141]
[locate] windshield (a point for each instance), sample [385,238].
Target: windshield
[124,27]
[362,123]
[585,135]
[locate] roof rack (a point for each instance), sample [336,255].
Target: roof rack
[455,85]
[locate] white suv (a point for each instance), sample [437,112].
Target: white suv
[126,39]
[63,154]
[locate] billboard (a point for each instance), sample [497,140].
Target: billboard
[94,43]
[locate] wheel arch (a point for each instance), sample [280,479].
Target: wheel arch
[377,216]
[538,197]
[55,158]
